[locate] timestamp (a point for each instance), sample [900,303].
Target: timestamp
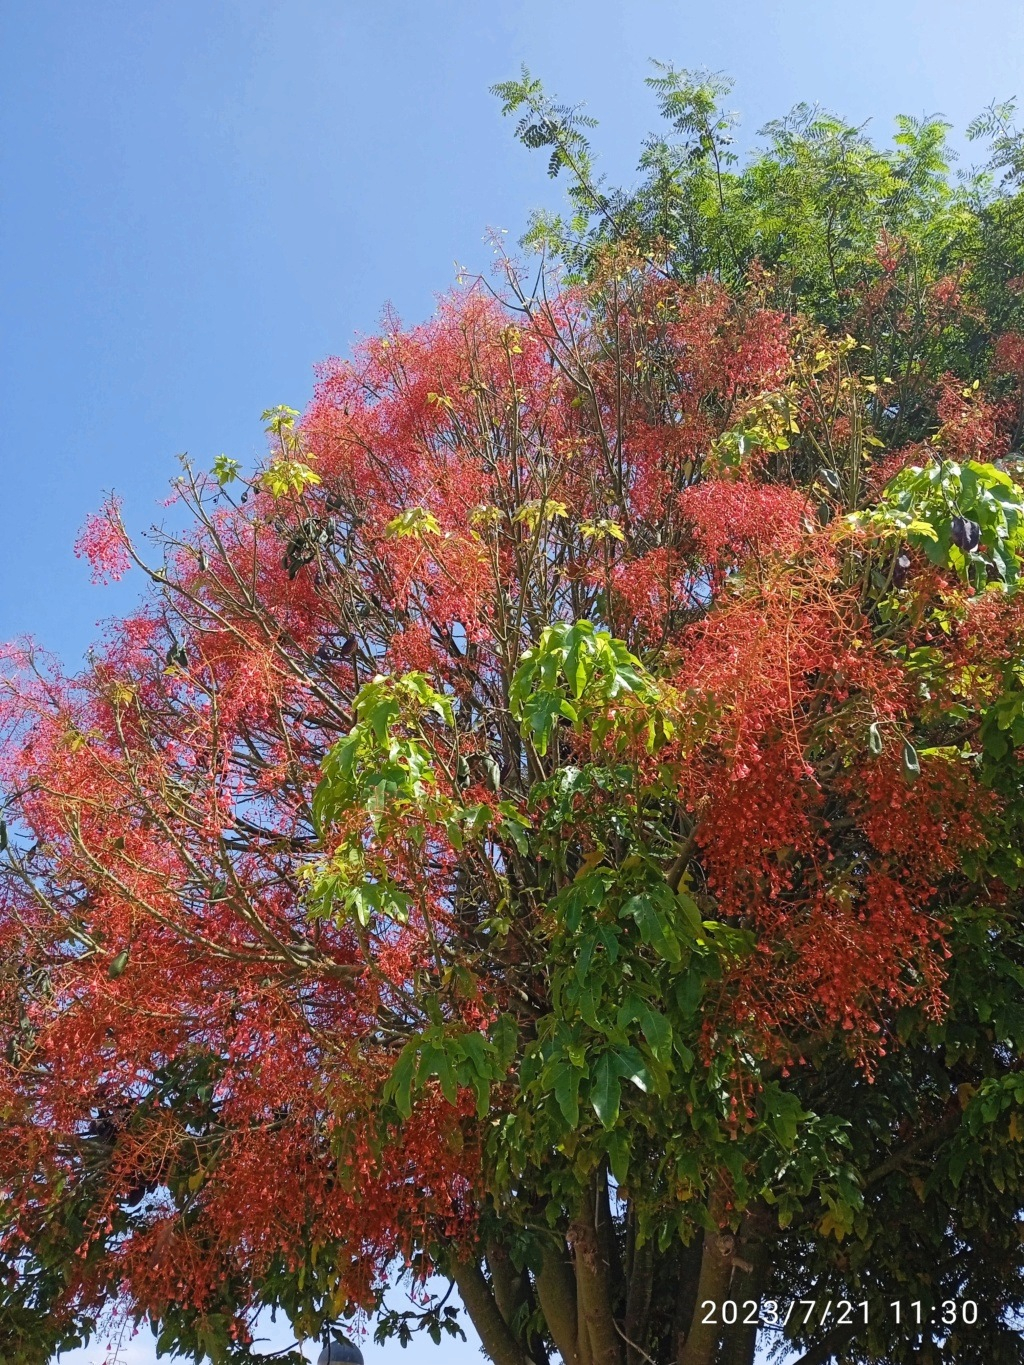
[948,1313]
[838,1312]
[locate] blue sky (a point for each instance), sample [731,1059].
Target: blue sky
[202,198]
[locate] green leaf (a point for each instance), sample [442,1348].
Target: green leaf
[225,469]
[783,1113]
[618,1149]
[414,521]
[399,1086]
[567,1093]
[654,928]
[691,913]
[657,1031]
[605,1091]
[632,1067]
[505,1037]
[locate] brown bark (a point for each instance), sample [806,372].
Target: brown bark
[638,1302]
[750,1263]
[701,1341]
[689,1275]
[607,1244]
[556,1291]
[594,1281]
[584,1349]
[495,1334]
[506,1282]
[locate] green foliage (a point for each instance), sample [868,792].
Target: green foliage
[815,210]
[922,505]
[414,521]
[576,673]
[283,478]
[225,470]
[545,124]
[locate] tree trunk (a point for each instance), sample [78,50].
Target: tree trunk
[514,1296]
[638,1302]
[556,1291]
[750,1265]
[495,1334]
[594,1285]
[686,1294]
[700,1343]
[506,1282]
[584,1348]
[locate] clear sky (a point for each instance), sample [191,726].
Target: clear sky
[202,198]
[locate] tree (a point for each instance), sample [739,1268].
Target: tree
[558,821]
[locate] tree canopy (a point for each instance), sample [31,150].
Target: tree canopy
[558,822]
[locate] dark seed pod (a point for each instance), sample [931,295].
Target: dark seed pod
[965,534]
[137,1192]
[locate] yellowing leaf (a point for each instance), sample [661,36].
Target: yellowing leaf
[414,521]
[922,528]
[288,476]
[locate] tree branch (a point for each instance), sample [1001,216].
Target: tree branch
[494,1332]
[823,1352]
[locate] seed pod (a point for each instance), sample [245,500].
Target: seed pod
[492,773]
[911,762]
[965,534]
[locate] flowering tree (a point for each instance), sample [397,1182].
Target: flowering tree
[557,823]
